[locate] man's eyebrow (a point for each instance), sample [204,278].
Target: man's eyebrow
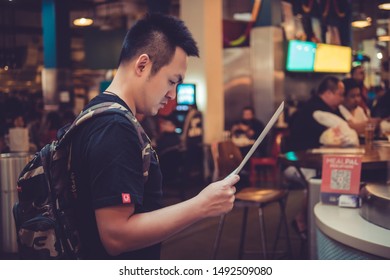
[179,79]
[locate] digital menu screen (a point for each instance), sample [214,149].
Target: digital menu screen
[322,58]
[333,59]
[300,56]
[186,94]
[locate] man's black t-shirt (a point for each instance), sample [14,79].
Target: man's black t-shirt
[107,160]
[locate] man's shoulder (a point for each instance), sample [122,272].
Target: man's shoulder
[258,125]
[304,114]
[316,103]
[307,107]
[102,120]
[106,127]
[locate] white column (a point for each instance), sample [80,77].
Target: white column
[204,20]
[267,70]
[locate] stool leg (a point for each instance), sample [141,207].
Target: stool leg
[262,232]
[218,237]
[283,221]
[279,229]
[243,233]
[289,247]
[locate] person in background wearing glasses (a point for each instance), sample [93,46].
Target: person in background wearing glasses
[120,215]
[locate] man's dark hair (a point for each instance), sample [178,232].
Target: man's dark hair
[355,68]
[248,108]
[328,83]
[350,84]
[157,36]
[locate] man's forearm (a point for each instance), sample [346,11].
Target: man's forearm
[121,231]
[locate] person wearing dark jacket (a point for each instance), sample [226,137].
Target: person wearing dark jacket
[305,131]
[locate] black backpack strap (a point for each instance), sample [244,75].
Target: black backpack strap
[101,108]
[113,108]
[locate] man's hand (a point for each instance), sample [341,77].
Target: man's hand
[218,197]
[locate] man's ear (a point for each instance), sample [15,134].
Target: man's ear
[141,63]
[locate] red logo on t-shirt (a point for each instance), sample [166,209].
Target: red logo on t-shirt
[126,198]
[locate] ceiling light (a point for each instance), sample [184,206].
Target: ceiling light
[384,38]
[384,6]
[83,21]
[361,21]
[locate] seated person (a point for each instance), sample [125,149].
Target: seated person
[354,114]
[305,131]
[248,125]
[246,131]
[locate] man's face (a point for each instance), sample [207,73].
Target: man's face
[352,99]
[160,88]
[247,115]
[336,96]
[359,74]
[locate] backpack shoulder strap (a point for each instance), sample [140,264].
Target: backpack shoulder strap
[113,108]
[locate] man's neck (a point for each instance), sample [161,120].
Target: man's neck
[118,88]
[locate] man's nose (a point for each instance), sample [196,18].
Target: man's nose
[171,94]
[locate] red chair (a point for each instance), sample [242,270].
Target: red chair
[266,167]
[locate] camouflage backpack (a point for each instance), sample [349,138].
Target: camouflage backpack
[45,215]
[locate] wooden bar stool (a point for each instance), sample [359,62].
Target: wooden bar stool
[225,156]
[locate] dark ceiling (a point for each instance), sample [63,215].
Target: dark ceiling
[369,7]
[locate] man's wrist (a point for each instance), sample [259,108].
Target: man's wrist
[199,206]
